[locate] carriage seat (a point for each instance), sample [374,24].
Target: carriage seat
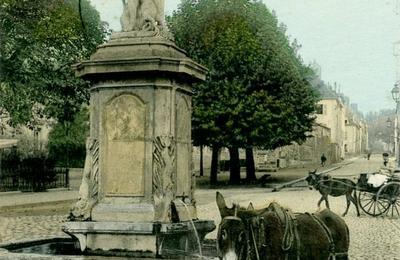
[377,179]
[396,175]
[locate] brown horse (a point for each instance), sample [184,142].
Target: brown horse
[276,233]
[335,187]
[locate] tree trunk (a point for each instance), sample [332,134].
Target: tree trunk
[66,125]
[234,165]
[250,169]
[214,165]
[201,161]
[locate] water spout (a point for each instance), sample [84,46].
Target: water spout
[194,229]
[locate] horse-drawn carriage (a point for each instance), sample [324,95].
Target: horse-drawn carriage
[376,193]
[379,194]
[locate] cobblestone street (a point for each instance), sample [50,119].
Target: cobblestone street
[371,238]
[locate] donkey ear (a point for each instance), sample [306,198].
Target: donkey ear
[250,207]
[220,202]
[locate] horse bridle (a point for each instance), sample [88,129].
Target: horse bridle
[235,218]
[290,239]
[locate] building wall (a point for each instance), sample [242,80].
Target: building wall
[333,117]
[352,139]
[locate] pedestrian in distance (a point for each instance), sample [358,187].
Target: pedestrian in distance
[385,159]
[323,160]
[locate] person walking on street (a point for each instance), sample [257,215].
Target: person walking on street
[323,160]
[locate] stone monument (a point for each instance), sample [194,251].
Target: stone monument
[137,191]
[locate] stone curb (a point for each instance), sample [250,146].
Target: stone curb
[34,206]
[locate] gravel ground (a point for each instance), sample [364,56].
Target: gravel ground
[18,228]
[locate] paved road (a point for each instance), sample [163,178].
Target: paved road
[371,238]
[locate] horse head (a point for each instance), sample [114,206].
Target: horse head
[232,239]
[224,211]
[232,236]
[235,230]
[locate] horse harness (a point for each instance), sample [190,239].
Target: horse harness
[257,241]
[332,250]
[291,239]
[321,183]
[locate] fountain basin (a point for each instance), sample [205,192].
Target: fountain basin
[147,239]
[62,248]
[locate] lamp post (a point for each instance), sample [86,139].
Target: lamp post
[389,126]
[396,97]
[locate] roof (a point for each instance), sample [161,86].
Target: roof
[7,143]
[324,91]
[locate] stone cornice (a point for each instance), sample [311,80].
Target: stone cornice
[191,69]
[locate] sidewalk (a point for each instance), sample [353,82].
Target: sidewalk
[52,199]
[25,201]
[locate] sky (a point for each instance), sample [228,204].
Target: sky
[352,40]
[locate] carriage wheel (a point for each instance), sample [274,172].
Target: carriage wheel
[371,205]
[390,194]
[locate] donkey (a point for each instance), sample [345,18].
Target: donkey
[276,233]
[335,187]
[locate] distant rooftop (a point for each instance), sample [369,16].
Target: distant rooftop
[325,91]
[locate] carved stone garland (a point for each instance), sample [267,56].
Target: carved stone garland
[164,167]
[88,191]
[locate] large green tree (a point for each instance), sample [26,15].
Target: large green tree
[256,93]
[39,41]
[66,144]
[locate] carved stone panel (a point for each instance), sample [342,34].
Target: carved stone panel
[125,121]
[183,120]
[183,130]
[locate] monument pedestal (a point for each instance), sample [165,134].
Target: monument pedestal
[138,185]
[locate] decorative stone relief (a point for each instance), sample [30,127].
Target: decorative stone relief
[184,119]
[164,167]
[88,191]
[125,119]
[124,123]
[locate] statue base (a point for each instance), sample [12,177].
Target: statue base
[167,240]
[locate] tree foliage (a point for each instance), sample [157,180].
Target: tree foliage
[256,93]
[39,41]
[67,140]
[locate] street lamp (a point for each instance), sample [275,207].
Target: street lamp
[396,97]
[389,126]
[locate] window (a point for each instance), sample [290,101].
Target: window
[320,109]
